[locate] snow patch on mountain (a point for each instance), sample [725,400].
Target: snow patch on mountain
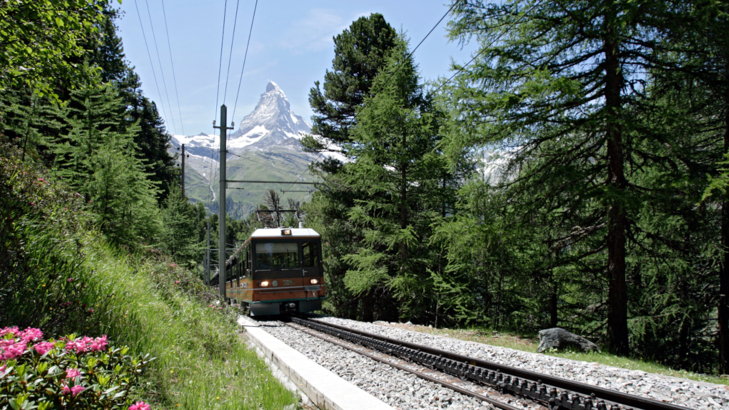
[272,123]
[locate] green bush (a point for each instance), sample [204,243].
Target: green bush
[67,373]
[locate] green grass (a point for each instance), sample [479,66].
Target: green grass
[201,359]
[527,344]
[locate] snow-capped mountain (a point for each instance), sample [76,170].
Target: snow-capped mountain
[271,124]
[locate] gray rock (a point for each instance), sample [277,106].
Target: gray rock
[559,338]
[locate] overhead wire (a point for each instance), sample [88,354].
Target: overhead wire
[387,81]
[217,94]
[174,78]
[220,63]
[399,66]
[161,70]
[245,57]
[154,75]
[230,56]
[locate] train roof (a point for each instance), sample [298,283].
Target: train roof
[279,233]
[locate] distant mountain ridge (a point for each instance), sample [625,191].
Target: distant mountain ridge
[272,123]
[264,147]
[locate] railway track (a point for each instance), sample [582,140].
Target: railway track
[554,393]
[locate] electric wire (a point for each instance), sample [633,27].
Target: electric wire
[460,70]
[387,81]
[161,70]
[399,66]
[154,75]
[304,173]
[174,78]
[230,56]
[245,57]
[217,94]
[220,63]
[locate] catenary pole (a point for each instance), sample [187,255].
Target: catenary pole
[183,170]
[221,215]
[207,258]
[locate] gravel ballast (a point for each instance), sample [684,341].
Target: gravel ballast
[682,392]
[395,387]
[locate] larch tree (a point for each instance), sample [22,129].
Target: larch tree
[397,165]
[558,80]
[359,54]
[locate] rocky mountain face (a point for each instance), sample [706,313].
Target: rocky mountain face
[264,147]
[271,124]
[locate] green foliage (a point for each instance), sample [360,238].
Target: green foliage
[98,158]
[360,52]
[42,282]
[180,220]
[39,40]
[107,378]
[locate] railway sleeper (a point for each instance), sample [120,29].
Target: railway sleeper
[504,383]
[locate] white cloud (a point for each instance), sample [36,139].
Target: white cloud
[315,31]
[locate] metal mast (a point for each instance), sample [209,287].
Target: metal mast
[221,201]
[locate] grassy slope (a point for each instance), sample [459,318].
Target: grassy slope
[278,164]
[530,345]
[202,363]
[71,281]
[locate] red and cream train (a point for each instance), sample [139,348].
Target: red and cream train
[277,270]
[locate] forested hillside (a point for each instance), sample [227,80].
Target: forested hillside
[101,299]
[605,211]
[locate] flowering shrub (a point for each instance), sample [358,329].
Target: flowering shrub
[69,373]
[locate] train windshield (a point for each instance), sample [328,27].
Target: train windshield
[277,255]
[311,253]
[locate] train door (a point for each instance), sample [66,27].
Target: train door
[311,258]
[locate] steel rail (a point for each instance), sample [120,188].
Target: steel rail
[559,393]
[422,375]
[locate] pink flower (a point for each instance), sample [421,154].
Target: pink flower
[77,389]
[6,330]
[177,281]
[2,368]
[44,347]
[99,344]
[31,334]
[13,351]
[140,405]
[66,390]
[72,373]
[86,344]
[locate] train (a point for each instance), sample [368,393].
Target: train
[277,271]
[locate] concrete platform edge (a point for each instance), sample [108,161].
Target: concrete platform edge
[325,389]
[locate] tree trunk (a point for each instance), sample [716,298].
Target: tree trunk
[617,220]
[368,306]
[554,317]
[724,268]
[403,206]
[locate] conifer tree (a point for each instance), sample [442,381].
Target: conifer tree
[400,171]
[560,81]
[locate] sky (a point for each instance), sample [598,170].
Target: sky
[291,44]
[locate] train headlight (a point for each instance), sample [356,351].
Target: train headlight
[314,281]
[264,284]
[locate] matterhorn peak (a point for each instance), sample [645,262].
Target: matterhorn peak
[272,123]
[273,87]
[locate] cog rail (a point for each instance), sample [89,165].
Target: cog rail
[554,392]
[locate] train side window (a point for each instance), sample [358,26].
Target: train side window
[277,255]
[311,253]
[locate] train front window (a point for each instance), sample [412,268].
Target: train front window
[311,253]
[277,255]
